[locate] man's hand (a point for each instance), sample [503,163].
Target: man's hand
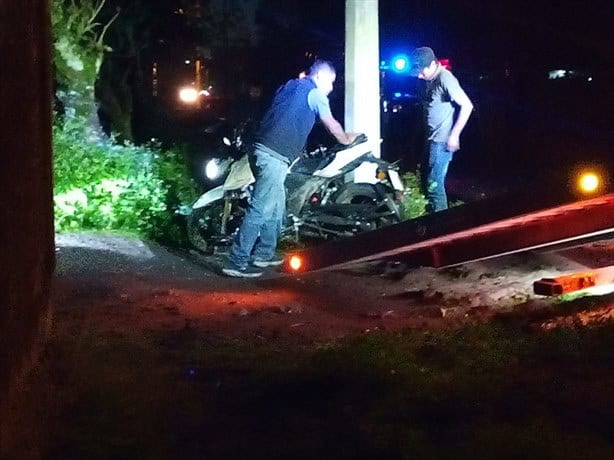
[453,143]
[350,137]
[466,107]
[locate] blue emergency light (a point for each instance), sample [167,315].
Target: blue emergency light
[400,63]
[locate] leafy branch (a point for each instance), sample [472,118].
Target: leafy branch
[79,38]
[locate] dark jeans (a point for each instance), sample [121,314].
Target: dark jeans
[434,175]
[263,220]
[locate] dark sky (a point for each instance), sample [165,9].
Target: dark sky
[482,32]
[561,32]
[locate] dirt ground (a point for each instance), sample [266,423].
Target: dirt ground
[127,285]
[153,354]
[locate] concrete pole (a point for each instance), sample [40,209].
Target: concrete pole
[362,90]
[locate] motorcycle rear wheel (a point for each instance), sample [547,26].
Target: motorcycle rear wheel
[356,194]
[366,194]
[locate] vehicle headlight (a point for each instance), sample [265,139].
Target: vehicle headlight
[188,95]
[213,169]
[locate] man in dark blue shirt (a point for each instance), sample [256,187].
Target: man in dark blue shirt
[280,140]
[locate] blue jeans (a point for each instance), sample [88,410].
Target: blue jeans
[263,220]
[438,162]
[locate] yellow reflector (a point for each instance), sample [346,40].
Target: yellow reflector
[589,182]
[296,263]
[381,175]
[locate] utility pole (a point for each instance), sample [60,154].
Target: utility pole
[362,86]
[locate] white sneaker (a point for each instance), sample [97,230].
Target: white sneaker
[274,262]
[241,272]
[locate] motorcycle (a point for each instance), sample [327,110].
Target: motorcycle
[331,193]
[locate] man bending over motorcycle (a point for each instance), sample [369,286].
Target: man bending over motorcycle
[280,139]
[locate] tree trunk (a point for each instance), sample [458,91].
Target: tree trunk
[80,102]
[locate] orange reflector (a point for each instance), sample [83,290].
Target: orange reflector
[564,284]
[589,182]
[295,263]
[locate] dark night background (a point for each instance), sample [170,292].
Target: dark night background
[524,123]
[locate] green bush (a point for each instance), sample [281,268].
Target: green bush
[111,187]
[414,202]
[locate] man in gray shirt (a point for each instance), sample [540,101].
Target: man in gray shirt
[443,95]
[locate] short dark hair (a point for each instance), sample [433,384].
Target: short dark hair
[321,65]
[419,59]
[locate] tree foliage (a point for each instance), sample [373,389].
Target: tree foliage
[78,41]
[105,186]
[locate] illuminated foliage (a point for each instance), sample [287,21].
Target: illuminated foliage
[414,201]
[110,187]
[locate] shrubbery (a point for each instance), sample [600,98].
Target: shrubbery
[112,187]
[414,202]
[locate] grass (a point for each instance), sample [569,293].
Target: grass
[478,392]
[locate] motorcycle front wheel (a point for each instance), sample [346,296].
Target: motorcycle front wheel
[204,224]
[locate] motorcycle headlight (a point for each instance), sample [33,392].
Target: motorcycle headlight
[213,169]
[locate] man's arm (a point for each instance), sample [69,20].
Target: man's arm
[318,102]
[459,96]
[335,128]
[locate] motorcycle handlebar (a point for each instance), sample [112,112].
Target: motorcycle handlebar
[360,139]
